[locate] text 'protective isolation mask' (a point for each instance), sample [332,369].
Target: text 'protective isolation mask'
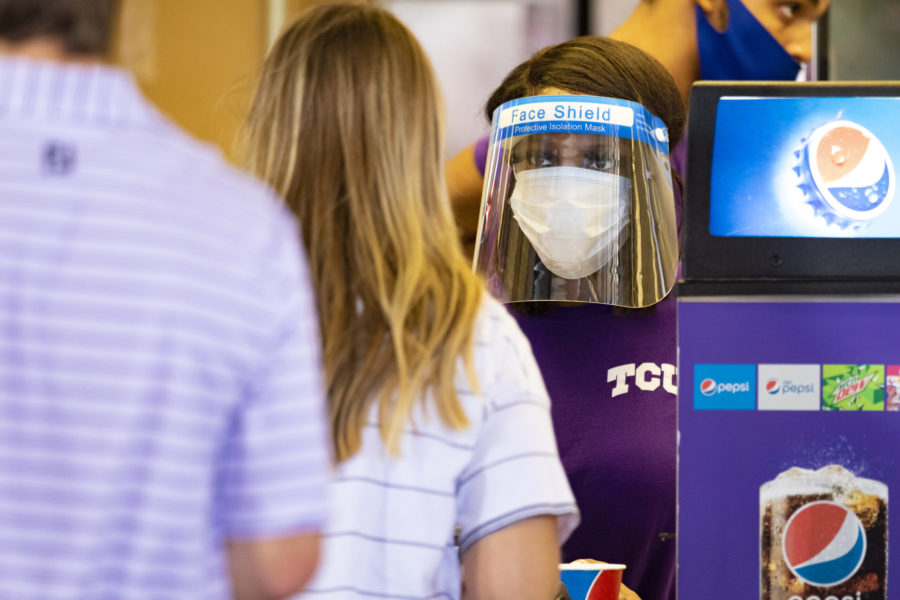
[572,216]
[578,203]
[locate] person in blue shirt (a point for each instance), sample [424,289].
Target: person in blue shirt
[693,39]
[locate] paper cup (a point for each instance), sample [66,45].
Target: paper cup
[592,581]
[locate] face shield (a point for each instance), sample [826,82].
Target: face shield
[577,203]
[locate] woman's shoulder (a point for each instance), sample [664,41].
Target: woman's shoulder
[495,325]
[504,360]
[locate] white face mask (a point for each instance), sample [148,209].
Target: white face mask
[573,217]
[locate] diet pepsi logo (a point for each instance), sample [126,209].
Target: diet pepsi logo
[774,387]
[824,543]
[789,387]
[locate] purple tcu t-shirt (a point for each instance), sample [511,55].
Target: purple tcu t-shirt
[612,380]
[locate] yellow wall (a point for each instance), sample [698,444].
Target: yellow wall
[195,59]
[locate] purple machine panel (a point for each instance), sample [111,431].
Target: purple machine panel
[789,445]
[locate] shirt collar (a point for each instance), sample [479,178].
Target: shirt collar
[73,92]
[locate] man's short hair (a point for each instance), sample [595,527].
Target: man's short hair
[82,26]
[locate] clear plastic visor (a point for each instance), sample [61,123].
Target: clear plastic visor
[575,209]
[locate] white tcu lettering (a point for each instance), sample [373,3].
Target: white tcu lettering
[641,380]
[620,374]
[669,374]
[647,377]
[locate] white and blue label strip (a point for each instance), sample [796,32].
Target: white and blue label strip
[579,114]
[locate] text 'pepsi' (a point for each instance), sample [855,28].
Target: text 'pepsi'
[815,597]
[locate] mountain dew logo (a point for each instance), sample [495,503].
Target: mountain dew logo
[853,387]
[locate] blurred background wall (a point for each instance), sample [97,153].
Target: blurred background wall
[197,59]
[860,39]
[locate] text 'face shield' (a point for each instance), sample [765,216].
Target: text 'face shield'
[578,203]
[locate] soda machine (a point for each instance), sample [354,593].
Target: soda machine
[789,344]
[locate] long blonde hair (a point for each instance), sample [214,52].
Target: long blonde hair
[346,126]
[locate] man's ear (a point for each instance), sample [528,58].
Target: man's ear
[716,12]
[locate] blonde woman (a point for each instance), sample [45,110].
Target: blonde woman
[440,419]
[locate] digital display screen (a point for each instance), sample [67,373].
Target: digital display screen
[811,167]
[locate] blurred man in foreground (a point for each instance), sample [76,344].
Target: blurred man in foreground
[161,407]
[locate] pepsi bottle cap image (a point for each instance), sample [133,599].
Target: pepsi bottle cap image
[846,174]
[823,533]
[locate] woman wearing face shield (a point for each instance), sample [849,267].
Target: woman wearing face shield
[578,235]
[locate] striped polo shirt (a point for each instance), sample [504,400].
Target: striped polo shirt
[392,530]
[160,387]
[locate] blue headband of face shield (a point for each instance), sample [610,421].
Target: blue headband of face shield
[744,51]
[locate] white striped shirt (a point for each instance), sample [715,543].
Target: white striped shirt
[391,531]
[160,388]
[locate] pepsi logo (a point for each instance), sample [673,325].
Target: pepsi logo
[824,543]
[773,386]
[708,387]
[852,171]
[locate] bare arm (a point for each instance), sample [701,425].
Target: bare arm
[464,184]
[520,561]
[272,569]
